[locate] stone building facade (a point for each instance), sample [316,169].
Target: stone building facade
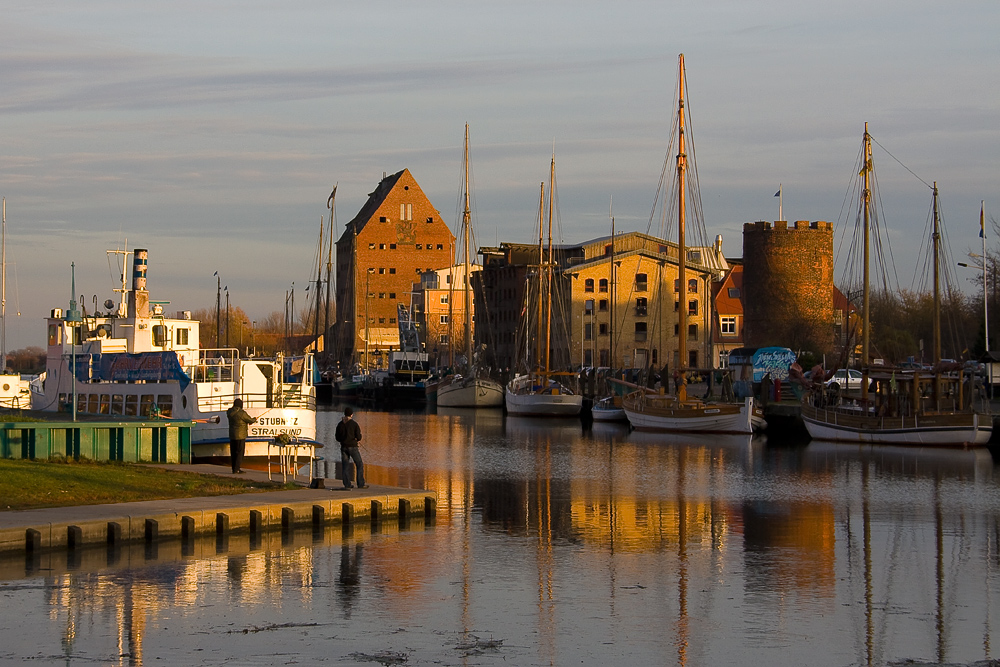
[788,285]
[395,237]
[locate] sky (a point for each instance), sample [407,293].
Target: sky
[212,132]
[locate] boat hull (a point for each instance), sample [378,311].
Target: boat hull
[470,393]
[940,430]
[655,413]
[523,397]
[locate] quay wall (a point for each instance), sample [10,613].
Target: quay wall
[34,532]
[132,441]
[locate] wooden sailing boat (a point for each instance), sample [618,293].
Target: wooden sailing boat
[538,392]
[909,408]
[468,390]
[660,412]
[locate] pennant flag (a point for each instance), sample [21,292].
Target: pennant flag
[982,222]
[778,193]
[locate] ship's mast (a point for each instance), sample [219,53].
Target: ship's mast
[466,221]
[548,269]
[866,203]
[936,240]
[681,213]
[3,291]
[541,264]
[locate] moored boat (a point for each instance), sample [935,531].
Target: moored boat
[608,409]
[904,408]
[134,361]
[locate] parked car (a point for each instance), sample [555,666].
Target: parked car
[846,378]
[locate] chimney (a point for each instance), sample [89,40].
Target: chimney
[139,298]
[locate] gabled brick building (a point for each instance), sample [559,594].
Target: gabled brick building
[396,236]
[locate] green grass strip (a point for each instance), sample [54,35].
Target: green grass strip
[33,484]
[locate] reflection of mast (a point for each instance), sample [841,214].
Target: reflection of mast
[942,644]
[681,638]
[866,545]
[546,605]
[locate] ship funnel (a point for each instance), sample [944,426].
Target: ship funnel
[139,297]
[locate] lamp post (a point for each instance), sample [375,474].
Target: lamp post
[986,319]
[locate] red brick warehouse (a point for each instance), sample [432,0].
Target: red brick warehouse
[395,236]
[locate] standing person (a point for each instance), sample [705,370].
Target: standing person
[238,421]
[348,434]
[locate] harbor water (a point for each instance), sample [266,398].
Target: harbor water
[558,543]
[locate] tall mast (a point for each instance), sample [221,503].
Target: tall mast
[986,312]
[866,201]
[466,221]
[681,213]
[319,290]
[548,268]
[541,263]
[936,239]
[330,203]
[612,348]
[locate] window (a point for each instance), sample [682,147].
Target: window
[693,359]
[383,219]
[145,404]
[54,334]
[607,250]
[131,405]
[392,246]
[694,256]
[677,306]
[640,331]
[91,403]
[440,246]
[640,282]
[392,320]
[640,306]
[602,329]
[692,331]
[117,404]
[420,246]
[727,326]
[734,292]
[588,306]
[381,320]
[444,299]
[444,319]
[588,357]
[723,359]
[182,336]
[677,285]
[602,305]
[588,331]
[429,221]
[371,246]
[605,355]
[588,285]
[693,285]
[392,295]
[159,335]
[392,270]
[603,285]
[381,295]
[381,246]
[381,270]
[693,307]
[165,402]
[443,338]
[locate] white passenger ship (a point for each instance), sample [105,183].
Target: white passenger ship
[134,361]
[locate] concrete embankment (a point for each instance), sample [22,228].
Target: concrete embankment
[42,530]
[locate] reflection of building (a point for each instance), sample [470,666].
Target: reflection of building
[396,236]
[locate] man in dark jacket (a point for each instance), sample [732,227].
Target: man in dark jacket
[348,434]
[238,421]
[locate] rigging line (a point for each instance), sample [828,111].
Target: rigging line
[901,164]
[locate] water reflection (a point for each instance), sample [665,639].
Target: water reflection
[560,543]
